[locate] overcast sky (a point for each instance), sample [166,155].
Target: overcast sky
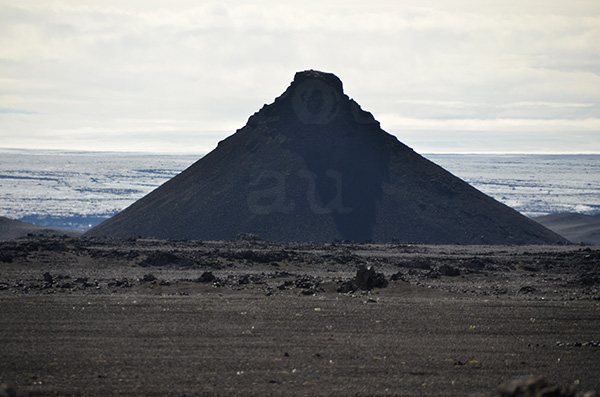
[179,76]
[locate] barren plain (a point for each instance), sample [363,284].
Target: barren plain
[91,316]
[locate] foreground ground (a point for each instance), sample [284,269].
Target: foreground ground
[146,317]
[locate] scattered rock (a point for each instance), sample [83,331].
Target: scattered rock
[449,271]
[147,278]
[536,387]
[160,259]
[367,278]
[206,277]
[244,280]
[527,289]
[347,287]
[397,277]
[48,279]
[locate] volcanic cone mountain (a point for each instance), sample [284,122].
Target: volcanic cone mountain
[313,166]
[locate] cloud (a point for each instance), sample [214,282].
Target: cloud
[114,68]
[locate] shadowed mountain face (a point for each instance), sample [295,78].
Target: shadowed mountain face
[313,166]
[11,229]
[578,228]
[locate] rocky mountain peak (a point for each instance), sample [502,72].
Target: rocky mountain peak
[315,75]
[313,98]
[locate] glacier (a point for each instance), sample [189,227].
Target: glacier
[78,190]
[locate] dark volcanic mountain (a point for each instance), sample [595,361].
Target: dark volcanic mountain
[313,166]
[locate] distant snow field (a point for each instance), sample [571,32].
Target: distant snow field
[78,190]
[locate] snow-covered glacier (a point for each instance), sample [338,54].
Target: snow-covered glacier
[533,184]
[78,190]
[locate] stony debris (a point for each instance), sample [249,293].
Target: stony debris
[527,289]
[206,277]
[147,278]
[536,387]
[347,287]
[48,279]
[399,276]
[307,284]
[366,279]
[449,271]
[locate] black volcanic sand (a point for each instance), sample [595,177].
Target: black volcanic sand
[150,317]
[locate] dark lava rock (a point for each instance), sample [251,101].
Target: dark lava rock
[347,287]
[399,276]
[206,277]
[124,283]
[449,271]
[48,279]
[308,284]
[6,257]
[527,289]
[368,278]
[244,280]
[536,387]
[148,278]
[314,166]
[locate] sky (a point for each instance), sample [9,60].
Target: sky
[444,76]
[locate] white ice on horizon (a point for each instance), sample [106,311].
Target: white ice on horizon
[37,184]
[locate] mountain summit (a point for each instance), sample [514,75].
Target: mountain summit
[314,166]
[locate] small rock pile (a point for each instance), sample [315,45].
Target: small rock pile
[366,279]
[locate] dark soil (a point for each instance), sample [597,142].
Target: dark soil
[152,317]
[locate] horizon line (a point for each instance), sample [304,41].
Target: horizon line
[183,153]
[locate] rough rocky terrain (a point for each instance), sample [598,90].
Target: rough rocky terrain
[93,316]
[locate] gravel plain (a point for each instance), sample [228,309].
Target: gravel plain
[89,316]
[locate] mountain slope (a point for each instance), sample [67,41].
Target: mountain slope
[578,228]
